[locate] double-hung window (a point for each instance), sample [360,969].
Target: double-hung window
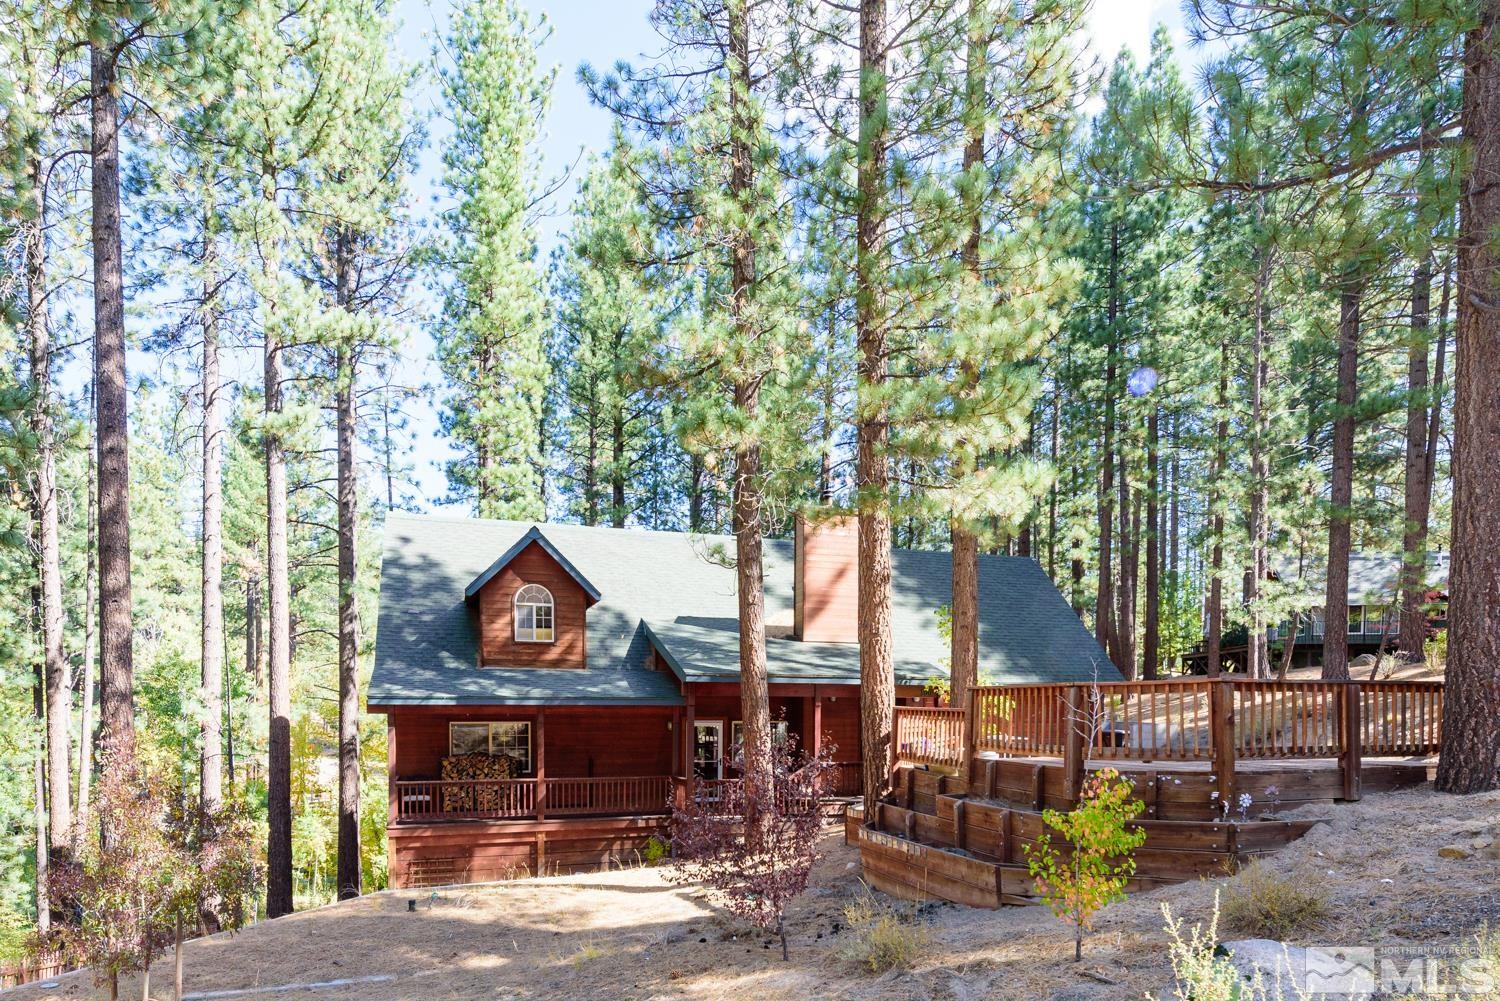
[510,738]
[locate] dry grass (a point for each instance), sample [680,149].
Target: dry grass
[1263,902]
[632,936]
[886,933]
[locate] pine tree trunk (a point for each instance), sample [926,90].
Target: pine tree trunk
[42,858]
[111,401]
[1470,759]
[1174,512]
[210,736]
[1151,651]
[617,468]
[348,864]
[90,602]
[1214,614]
[964,565]
[57,670]
[1104,630]
[252,632]
[877,688]
[755,694]
[1258,651]
[1052,448]
[1435,413]
[279,748]
[1418,492]
[1129,534]
[695,493]
[1341,486]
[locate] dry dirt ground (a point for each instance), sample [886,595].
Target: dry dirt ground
[631,934]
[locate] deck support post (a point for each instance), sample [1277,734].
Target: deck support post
[1075,753]
[1350,764]
[1221,740]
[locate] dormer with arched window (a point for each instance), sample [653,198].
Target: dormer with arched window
[531,607]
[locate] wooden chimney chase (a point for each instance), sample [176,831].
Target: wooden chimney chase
[825,589]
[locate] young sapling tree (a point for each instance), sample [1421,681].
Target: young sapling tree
[755,881]
[1089,872]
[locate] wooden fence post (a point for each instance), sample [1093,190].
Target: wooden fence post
[1075,753]
[1350,763]
[1221,740]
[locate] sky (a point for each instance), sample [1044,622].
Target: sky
[600,32]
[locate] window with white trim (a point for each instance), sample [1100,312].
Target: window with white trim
[534,615]
[511,738]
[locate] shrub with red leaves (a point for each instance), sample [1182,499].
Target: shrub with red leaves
[755,879]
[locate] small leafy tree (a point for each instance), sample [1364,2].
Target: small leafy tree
[1089,872]
[755,883]
[154,869]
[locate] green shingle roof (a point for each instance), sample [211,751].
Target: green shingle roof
[1373,577]
[680,589]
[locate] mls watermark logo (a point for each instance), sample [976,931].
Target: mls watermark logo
[1340,970]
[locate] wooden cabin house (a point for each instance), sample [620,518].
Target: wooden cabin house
[549,688]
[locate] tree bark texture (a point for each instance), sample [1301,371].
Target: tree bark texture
[1470,759]
[279,749]
[1341,486]
[210,735]
[877,691]
[755,692]
[1418,491]
[348,864]
[116,666]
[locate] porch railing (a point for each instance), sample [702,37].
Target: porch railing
[928,736]
[426,800]
[505,799]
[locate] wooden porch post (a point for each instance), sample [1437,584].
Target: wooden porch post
[541,764]
[815,742]
[687,737]
[1075,751]
[390,769]
[1221,739]
[676,741]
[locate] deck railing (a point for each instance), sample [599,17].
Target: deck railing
[1216,721]
[927,736]
[1195,720]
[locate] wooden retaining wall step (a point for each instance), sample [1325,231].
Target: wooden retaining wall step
[1169,793]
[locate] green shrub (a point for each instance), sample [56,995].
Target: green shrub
[655,850]
[1265,903]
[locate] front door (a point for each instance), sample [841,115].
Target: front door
[708,749]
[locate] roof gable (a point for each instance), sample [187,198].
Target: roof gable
[534,535]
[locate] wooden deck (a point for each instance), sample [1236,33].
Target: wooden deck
[1213,761]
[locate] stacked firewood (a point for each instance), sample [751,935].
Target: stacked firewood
[478,768]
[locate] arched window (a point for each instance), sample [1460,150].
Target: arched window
[534,614]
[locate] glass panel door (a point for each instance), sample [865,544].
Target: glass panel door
[708,749]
